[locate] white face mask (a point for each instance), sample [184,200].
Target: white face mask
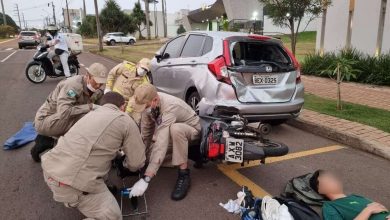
[141,71]
[89,86]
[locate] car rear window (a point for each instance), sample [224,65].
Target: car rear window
[27,33]
[252,53]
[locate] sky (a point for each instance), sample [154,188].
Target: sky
[35,11]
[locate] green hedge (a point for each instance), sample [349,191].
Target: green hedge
[373,70]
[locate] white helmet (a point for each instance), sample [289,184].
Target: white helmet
[52,28]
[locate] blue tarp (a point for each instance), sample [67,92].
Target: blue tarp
[22,137]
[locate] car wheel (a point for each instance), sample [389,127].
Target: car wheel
[131,42]
[20,46]
[112,42]
[193,101]
[275,122]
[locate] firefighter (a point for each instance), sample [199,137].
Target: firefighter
[125,77]
[70,100]
[165,119]
[75,169]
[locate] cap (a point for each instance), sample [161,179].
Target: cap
[143,94]
[99,72]
[145,63]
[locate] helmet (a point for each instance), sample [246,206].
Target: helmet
[52,29]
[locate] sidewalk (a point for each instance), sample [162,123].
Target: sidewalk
[346,132]
[370,95]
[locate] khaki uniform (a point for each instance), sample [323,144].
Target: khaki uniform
[124,80]
[64,106]
[75,167]
[177,123]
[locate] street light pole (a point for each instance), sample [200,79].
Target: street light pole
[98,26]
[4,17]
[67,11]
[54,13]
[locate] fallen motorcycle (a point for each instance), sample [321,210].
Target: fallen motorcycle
[227,136]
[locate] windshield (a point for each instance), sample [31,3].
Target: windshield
[252,53]
[27,33]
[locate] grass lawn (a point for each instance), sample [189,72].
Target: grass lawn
[5,39]
[374,117]
[306,44]
[130,53]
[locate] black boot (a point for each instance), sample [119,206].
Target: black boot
[42,143]
[182,186]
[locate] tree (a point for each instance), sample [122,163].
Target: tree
[139,19]
[181,29]
[88,26]
[113,19]
[10,21]
[6,31]
[341,68]
[289,13]
[147,18]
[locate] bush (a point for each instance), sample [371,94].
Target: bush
[372,70]
[6,31]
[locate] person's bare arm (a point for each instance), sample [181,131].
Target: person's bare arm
[372,208]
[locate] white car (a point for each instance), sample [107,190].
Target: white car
[118,37]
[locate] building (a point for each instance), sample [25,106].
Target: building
[241,17]
[75,17]
[156,17]
[359,24]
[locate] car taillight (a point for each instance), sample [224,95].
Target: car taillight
[296,64]
[219,66]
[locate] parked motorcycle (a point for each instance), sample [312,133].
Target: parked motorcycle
[227,136]
[42,66]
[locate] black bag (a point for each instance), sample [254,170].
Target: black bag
[299,188]
[299,210]
[59,51]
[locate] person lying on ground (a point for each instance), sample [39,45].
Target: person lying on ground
[342,206]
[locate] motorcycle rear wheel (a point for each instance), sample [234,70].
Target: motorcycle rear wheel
[275,149]
[35,73]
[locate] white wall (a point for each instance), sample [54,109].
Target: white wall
[365,25]
[237,9]
[171,26]
[270,28]
[336,25]
[386,33]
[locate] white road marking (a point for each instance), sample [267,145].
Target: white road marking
[8,56]
[6,41]
[9,48]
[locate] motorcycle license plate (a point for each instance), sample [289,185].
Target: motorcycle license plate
[234,150]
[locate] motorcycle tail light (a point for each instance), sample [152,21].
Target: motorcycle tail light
[215,148]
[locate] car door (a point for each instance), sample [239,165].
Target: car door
[188,66]
[163,71]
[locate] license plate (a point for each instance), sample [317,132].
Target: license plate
[234,150]
[265,80]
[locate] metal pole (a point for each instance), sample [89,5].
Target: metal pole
[155,21]
[381,27]
[98,26]
[24,21]
[54,13]
[147,18]
[84,9]
[323,25]
[20,23]
[165,17]
[67,12]
[4,17]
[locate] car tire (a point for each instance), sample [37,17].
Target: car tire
[150,77]
[193,100]
[275,122]
[132,42]
[112,42]
[20,46]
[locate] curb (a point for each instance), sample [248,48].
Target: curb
[107,57]
[343,137]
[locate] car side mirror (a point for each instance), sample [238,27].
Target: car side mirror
[165,56]
[158,57]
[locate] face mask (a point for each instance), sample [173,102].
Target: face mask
[141,71]
[89,86]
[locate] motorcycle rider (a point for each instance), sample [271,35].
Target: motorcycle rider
[165,119]
[60,48]
[66,104]
[125,77]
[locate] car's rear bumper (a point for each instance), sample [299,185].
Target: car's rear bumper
[260,111]
[28,43]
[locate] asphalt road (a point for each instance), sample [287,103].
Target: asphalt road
[24,194]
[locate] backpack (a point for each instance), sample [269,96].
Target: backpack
[271,209]
[298,209]
[299,189]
